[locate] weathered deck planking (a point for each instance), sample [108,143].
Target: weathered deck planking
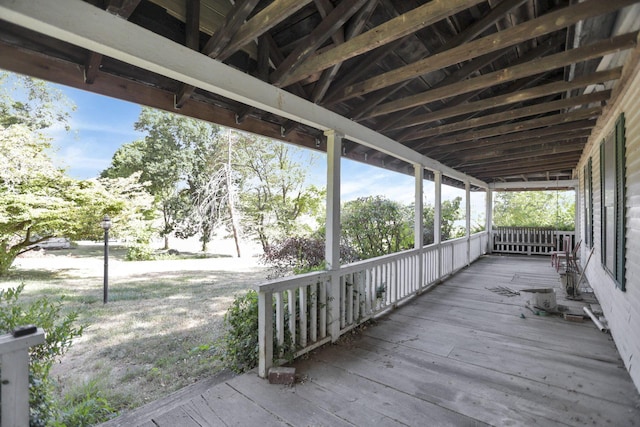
[458,355]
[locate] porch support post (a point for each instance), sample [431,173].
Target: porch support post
[467,189]
[418,228]
[577,228]
[332,236]
[437,218]
[265,333]
[489,220]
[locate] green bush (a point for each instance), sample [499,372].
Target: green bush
[239,345]
[85,407]
[59,333]
[239,348]
[139,252]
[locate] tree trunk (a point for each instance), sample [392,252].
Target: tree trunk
[230,200]
[166,242]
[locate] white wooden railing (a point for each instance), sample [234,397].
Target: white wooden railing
[14,362]
[528,240]
[306,311]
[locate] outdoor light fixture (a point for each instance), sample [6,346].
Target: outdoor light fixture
[106,225]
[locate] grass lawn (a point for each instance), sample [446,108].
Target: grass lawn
[157,332]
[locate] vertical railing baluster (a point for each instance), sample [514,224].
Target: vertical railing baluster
[291,304]
[265,332]
[323,307]
[280,319]
[303,306]
[313,326]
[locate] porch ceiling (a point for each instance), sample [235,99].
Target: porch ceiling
[503,91]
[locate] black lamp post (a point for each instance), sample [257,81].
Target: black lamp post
[106,225]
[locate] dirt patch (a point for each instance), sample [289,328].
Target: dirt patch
[158,331]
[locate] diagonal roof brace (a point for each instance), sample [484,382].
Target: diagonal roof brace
[87,26]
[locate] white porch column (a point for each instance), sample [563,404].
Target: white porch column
[437,217]
[467,189]
[577,228]
[332,236]
[418,223]
[489,219]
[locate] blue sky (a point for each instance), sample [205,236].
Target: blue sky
[100,125]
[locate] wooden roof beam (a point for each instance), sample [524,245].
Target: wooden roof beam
[121,8]
[538,164]
[403,25]
[587,113]
[468,34]
[541,108]
[356,27]
[511,98]
[323,31]
[558,60]
[545,24]
[518,154]
[570,130]
[276,12]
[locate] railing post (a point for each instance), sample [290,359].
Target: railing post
[437,218]
[332,240]
[467,188]
[14,358]
[265,332]
[489,219]
[418,231]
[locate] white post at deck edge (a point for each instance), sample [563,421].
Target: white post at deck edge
[418,229]
[437,218]
[467,189]
[265,333]
[14,358]
[489,220]
[332,243]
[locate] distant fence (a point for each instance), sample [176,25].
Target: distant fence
[312,309]
[529,240]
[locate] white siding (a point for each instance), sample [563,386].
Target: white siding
[622,309]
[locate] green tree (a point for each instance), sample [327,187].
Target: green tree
[206,176]
[273,195]
[182,160]
[32,103]
[555,209]
[451,213]
[376,226]
[37,200]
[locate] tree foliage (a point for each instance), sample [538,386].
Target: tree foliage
[451,214]
[301,254]
[37,200]
[273,195]
[554,209]
[376,226]
[182,161]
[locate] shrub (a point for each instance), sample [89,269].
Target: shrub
[85,407]
[60,331]
[139,252]
[239,348]
[298,255]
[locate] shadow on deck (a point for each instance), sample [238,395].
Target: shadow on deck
[457,355]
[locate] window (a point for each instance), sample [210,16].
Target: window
[612,184]
[588,204]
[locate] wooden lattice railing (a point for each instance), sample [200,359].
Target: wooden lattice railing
[309,310]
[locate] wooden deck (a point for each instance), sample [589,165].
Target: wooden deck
[458,355]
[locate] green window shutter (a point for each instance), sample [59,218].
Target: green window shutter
[588,203]
[620,203]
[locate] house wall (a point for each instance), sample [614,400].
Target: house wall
[621,309]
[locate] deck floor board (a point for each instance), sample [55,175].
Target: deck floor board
[458,355]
